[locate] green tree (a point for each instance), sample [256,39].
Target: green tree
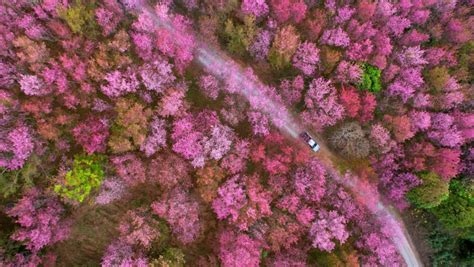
[431,192]
[86,175]
[457,211]
[240,36]
[80,17]
[370,79]
[465,67]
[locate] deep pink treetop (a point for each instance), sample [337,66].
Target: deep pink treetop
[92,134]
[39,217]
[238,249]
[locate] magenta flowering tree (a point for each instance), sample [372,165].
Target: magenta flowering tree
[291,91]
[254,7]
[178,44]
[130,168]
[169,171]
[120,83]
[382,250]
[412,56]
[397,24]
[109,15]
[327,227]
[236,159]
[261,45]
[381,139]
[137,228]
[335,37]
[344,14]
[306,58]
[173,103]
[259,122]
[347,72]
[322,105]
[398,186]
[16,146]
[444,132]
[156,138]
[210,86]
[289,9]
[414,37]
[181,211]
[420,120]
[32,85]
[243,201]
[201,137]
[230,199]
[360,51]
[92,134]
[120,253]
[238,249]
[310,180]
[405,86]
[157,76]
[39,217]
[276,154]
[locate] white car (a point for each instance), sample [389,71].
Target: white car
[310,141]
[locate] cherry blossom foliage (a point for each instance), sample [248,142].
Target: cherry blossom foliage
[16,146]
[39,216]
[291,91]
[120,83]
[157,76]
[243,201]
[261,45]
[181,211]
[231,198]
[32,85]
[120,253]
[381,248]
[276,154]
[265,200]
[92,134]
[328,226]
[336,37]
[309,181]
[255,7]
[235,161]
[109,15]
[130,168]
[306,58]
[210,86]
[238,249]
[444,132]
[137,228]
[201,137]
[169,171]
[156,137]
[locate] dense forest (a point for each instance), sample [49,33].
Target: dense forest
[162,133]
